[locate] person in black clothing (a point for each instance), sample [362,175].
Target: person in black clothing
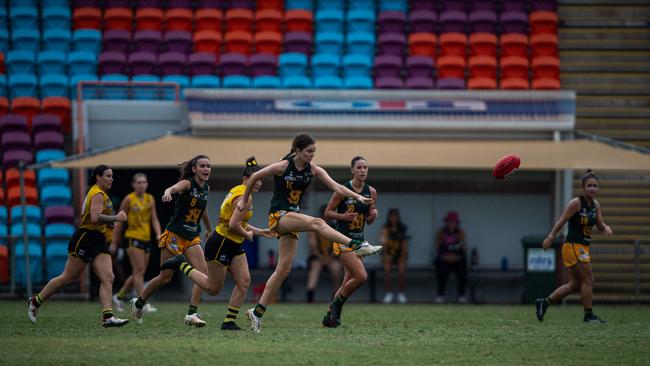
[451,256]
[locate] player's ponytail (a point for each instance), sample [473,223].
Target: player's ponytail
[300,142]
[251,167]
[589,174]
[185,167]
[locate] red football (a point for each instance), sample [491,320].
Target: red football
[506,166]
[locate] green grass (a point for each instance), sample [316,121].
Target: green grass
[69,333]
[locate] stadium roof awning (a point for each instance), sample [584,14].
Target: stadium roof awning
[167,151]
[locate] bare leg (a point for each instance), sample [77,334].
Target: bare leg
[355,274]
[73,268]
[334,267]
[161,280]
[196,258]
[139,260]
[566,289]
[314,273]
[103,268]
[242,277]
[287,247]
[586,285]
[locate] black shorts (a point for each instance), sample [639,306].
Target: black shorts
[222,249]
[139,244]
[87,244]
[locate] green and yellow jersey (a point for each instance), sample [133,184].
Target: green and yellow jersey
[289,187]
[581,223]
[353,229]
[188,211]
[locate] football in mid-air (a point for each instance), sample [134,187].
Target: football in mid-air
[506,166]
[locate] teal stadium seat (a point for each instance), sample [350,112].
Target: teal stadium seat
[55,3]
[56,17]
[23,17]
[237,81]
[58,232]
[21,62]
[51,62]
[4,20]
[82,62]
[361,20]
[52,176]
[114,91]
[329,20]
[54,85]
[357,65]
[298,4]
[328,82]
[329,42]
[3,85]
[361,43]
[33,214]
[325,64]
[296,82]
[35,262]
[26,39]
[56,40]
[56,254]
[330,4]
[48,155]
[183,82]
[362,4]
[357,82]
[205,81]
[90,92]
[266,82]
[144,92]
[399,5]
[87,40]
[56,196]
[292,64]
[4,40]
[22,85]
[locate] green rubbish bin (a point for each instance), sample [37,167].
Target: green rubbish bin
[541,268]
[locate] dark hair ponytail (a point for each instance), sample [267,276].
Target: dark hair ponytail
[355,159]
[99,170]
[300,141]
[589,174]
[251,167]
[185,167]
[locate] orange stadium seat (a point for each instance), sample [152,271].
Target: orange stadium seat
[268,20]
[299,20]
[2,196]
[148,19]
[453,44]
[13,196]
[481,84]
[514,67]
[12,178]
[87,18]
[482,66]
[208,19]
[546,67]
[178,19]
[207,41]
[61,107]
[239,41]
[239,20]
[483,44]
[4,106]
[422,44]
[118,18]
[543,22]
[270,4]
[451,66]
[513,44]
[27,106]
[3,68]
[515,84]
[268,42]
[546,84]
[544,44]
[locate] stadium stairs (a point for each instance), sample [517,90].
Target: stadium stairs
[605,55]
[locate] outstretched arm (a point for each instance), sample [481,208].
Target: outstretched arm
[181,186]
[337,188]
[269,170]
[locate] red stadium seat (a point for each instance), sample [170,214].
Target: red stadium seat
[148,19]
[2,195]
[514,67]
[483,44]
[453,44]
[268,42]
[546,67]
[299,20]
[207,41]
[268,20]
[208,19]
[239,20]
[178,19]
[513,44]
[61,107]
[546,84]
[238,42]
[270,4]
[118,18]
[13,196]
[422,44]
[483,67]
[481,84]
[3,68]
[515,84]
[4,106]
[27,106]
[12,178]
[543,22]
[87,18]
[544,44]
[451,66]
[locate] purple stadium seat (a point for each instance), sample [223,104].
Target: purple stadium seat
[423,5]
[13,122]
[86,3]
[233,64]
[514,22]
[48,140]
[202,63]
[263,64]
[419,82]
[423,21]
[391,21]
[142,62]
[391,44]
[455,5]
[111,62]
[453,21]
[489,5]
[46,122]
[513,5]
[388,82]
[242,4]
[116,40]
[419,66]
[298,42]
[483,21]
[150,4]
[388,66]
[450,83]
[147,40]
[172,63]
[544,5]
[117,3]
[185,4]
[215,4]
[178,41]
[15,140]
[11,158]
[59,214]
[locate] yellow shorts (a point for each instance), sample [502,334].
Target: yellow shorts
[573,253]
[339,249]
[274,219]
[175,244]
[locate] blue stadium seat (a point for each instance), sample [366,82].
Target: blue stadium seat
[205,81]
[53,176]
[266,82]
[59,231]
[26,39]
[56,18]
[22,85]
[56,40]
[329,42]
[330,4]
[23,17]
[298,4]
[4,40]
[236,81]
[361,43]
[4,21]
[292,64]
[146,92]
[328,82]
[361,20]
[87,40]
[35,262]
[51,62]
[357,65]
[54,85]
[182,81]
[329,20]
[55,196]
[21,62]
[88,91]
[325,64]
[82,62]
[49,154]
[32,3]
[4,233]
[362,4]
[3,85]
[56,254]
[357,82]
[4,218]
[33,230]
[114,91]
[32,214]
[296,82]
[400,5]
[55,3]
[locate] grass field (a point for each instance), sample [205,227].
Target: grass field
[69,333]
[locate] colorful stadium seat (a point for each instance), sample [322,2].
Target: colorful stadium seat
[178,41]
[360,20]
[453,44]
[202,63]
[21,62]
[56,40]
[266,82]
[268,20]
[61,107]
[147,40]
[451,66]
[356,65]
[544,44]
[238,41]
[142,62]
[53,176]
[268,42]
[298,20]
[59,214]
[86,18]
[484,21]
[292,64]
[329,20]
[419,66]
[263,64]
[149,19]
[55,195]
[324,64]
[233,63]
[205,81]
[357,82]
[46,122]
[172,63]
[543,22]
[388,66]
[391,21]
[296,82]
[423,21]
[53,85]
[236,81]
[391,44]
[422,44]
[208,19]
[51,62]
[26,39]
[56,18]
[514,22]
[118,40]
[48,155]
[513,44]
[361,43]
[483,44]
[178,19]
[118,18]
[22,85]
[111,62]
[23,17]
[239,20]
[87,40]
[300,42]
